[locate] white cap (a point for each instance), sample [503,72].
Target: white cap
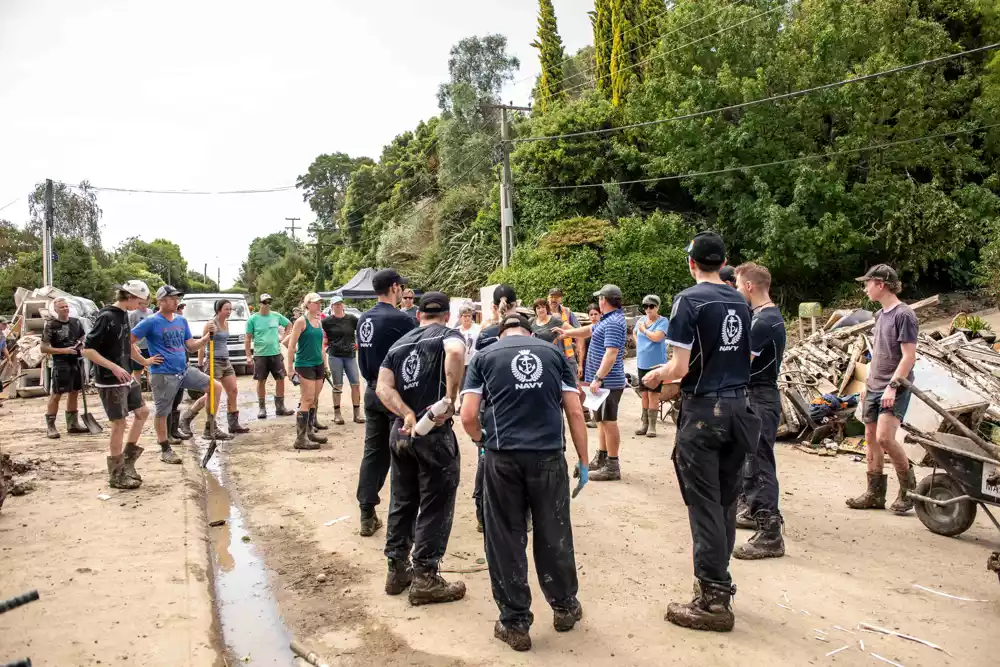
[265,297]
[337,299]
[136,288]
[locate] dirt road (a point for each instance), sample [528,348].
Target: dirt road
[633,555]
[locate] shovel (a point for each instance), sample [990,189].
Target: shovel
[211,400]
[88,419]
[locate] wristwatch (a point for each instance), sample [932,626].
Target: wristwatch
[894,384]
[600,380]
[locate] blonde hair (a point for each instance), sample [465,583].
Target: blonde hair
[311,296]
[755,273]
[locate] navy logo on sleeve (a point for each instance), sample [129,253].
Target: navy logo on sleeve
[732,330]
[367,331]
[411,369]
[527,369]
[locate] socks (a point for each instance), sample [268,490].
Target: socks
[164,446]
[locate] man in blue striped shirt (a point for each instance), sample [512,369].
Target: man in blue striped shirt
[605,368]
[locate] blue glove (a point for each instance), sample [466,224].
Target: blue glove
[583,473]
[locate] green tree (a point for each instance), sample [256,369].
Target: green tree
[14,241]
[482,64]
[264,252]
[198,284]
[624,48]
[75,212]
[277,279]
[324,185]
[551,56]
[159,256]
[600,20]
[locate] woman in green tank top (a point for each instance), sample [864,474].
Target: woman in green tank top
[305,355]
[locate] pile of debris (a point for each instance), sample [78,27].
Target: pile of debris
[822,375]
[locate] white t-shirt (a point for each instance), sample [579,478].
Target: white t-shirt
[469,335]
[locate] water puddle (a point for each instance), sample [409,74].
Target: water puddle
[252,628]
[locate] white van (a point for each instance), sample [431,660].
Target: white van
[200,308]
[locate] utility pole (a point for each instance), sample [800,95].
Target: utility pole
[47,228]
[218,278]
[293,227]
[204,272]
[506,184]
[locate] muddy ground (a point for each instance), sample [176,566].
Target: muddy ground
[128,580]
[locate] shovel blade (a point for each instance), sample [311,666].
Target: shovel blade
[208,455]
[91,423]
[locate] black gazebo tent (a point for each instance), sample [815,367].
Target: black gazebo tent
[358,287]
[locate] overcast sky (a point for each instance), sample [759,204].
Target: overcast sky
[226,95]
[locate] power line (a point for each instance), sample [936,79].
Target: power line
[760,165]
[773,98]
[100,188]
[11,203]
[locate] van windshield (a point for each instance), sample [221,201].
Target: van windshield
[200,310]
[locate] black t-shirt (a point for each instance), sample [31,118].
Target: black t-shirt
[767,346]
[713,321]
[340,332]
[378,329]
[487,337]
[417,361]
[111,338]
[523,380]
[57,333]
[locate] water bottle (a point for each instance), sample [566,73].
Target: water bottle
[426,422]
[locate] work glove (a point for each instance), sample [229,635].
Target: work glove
[583,473]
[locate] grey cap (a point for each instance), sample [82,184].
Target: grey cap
[882,272]
[651,300]
[609,291]
[168,290]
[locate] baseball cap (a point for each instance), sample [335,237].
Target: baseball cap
[651,300]
[168,290]
[312,297]
[882,272]
[337,299]
[265,297]
[3,320]
[504,291]
[384,279]
[136,288]
[434,303]
[516,321]
[707,248]
[609,291]
[728,274]
[555,291]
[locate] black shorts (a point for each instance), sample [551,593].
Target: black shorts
[311,372]
[608,412]
[873,406]
[119,401]
[273,365]
[136,366]
[642,387]
[66,378]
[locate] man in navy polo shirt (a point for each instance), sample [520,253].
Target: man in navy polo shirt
[710,333]
[378,330]
[605,369]
[528,384]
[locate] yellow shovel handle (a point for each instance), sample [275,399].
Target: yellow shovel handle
[211,375]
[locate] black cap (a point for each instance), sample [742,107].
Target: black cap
[609,291]
[882,272]
[168,290]
[707,248]
[504,291]
[516,321]
[386,278]
[434,303]
[728,274]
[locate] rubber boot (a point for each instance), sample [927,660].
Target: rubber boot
[710,610]
[132,454]
[431,588]
[117,479]
[234,423]
[175,432]
[644,425]
[302,441]
[564,620]
[184,425]
[766,542]
[907,482]
[50,424]
[172,437]
[370,523]
[167,454]
[314,420]
[874,497]
[610,472]
[653,416]
[73,424]
[261,408]
[516,638]
[219,433]
[311,431]
[338,418]
[399,577]
[279,407]
[358,418]
[744,519]
[596,463]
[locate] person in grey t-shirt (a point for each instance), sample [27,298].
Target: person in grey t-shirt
[134,317]
[884,398]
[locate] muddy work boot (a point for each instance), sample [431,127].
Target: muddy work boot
[653,416]
[766,542]
[132,454]
[907,482]
[610,472]
[184,425]
[167,454]
[50,424]
[338,418]
[172,437]
[710,610]
[358,418]
[313,419]
[370,523]
[279,407]
[234,423]
[644,424]
[117,479]
[589,418]
[302,435]
[399,577]
[431,588]
[516,638]
[311,431]
[874,497]
[596,463]
[210,425]
[261,408]
[73,424]
[744,519]
[564,620]
[173,432]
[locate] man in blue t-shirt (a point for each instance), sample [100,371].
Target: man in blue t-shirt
[605,369]
[168,335]
[651,351]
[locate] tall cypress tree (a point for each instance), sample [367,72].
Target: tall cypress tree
[551,87]
[624,48]
[649,19]
[600,18]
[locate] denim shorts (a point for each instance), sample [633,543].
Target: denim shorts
[339,366]
[873,406]
[167,385]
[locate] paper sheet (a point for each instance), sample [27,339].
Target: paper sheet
[593,401]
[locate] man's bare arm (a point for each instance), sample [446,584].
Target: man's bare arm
[386,392]
[675,369]
[577,424]
[906,363]
[470,416]
[579,332]
[454,367]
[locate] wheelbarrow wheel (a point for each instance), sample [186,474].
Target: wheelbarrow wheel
[950,520]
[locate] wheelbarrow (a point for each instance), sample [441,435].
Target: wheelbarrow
[669,397]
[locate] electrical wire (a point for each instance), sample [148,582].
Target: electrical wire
[748,167]
[100,188]
[11,203]
[773,98]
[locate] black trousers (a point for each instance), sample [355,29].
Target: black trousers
[714,436]
[760,475]
[514,483]
[376,460]
[477,492]
[424,484]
